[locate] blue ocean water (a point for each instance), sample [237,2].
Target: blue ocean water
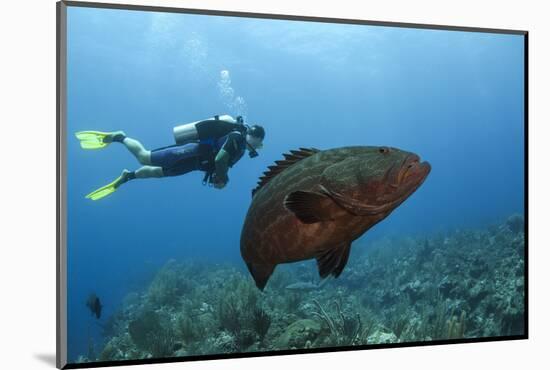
[454,98]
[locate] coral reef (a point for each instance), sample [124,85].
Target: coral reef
[458,284]
[299,334]
[344,330]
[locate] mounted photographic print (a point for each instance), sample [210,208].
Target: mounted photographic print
[237,184]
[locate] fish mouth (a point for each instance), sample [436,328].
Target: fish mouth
[409,175]
[413,171]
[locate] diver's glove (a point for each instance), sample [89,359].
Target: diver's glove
[219,182]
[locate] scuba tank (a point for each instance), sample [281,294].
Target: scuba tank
[186,133]
[190,132]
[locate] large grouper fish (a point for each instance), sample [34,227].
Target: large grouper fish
[315,203]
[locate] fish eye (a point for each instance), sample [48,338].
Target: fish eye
[384,150]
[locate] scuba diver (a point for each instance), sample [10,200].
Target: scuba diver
[212,146]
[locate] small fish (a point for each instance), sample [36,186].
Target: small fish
[305,286]
[94,304]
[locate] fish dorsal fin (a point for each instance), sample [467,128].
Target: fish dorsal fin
[280,165]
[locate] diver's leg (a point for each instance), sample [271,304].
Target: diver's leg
[148,172]
[142,155]
[135,147]
[182,160]
[144,172]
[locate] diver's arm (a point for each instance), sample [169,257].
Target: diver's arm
[222,166]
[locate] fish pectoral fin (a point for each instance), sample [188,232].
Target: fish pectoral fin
[333,260]
[260,273]
[310,207]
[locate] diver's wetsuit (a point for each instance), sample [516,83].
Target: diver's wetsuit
[180,159]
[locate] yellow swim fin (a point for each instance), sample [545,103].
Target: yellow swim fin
[92,139]
[103,191]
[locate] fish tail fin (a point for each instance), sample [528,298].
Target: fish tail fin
[260,273]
